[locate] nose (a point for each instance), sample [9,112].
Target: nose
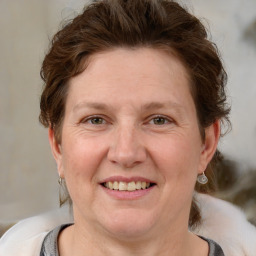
[127,149]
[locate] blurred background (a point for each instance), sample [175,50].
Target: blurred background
[28,175]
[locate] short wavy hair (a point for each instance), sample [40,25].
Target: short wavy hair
[158,24]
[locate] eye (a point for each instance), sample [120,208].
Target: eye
[95,120]
[159,120]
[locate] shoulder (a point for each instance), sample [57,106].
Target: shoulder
[214,248]
[26,237]
[227,225]
[50,243]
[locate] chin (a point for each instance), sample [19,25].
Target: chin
[129,225]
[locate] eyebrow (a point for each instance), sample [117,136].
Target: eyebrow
[159,105]
[146,107]
[177,108]
[94,105]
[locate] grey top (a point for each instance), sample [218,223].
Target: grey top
[50,244]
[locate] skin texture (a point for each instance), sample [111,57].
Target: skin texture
[130,115]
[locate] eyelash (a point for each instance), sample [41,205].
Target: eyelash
[91,118]
[166,120]
[163,118]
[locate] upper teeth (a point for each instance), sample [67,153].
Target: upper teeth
[127,186]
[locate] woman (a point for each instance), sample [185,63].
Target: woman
[128,129]
[134,100]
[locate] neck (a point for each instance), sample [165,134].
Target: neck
[177,241]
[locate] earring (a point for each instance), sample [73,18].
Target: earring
[60,181]
[61,190]
[202,179]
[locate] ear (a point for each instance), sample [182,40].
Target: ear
[56,151]
[212,135]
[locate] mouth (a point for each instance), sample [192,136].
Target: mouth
[127,186]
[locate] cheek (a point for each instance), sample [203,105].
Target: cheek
[176,153]
[81,160]
[177,162]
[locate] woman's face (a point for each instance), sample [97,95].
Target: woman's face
[131,148]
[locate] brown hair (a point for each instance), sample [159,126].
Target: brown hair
[107,24]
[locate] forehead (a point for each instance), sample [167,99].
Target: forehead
[140,61]
[143,73]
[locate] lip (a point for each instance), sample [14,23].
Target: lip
[127,195]
[126,179]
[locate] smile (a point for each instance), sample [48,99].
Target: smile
[127,186]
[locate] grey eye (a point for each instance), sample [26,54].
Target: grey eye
[159,120]
[96,120]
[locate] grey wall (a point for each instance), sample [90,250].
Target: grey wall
[233,27]
[28,177]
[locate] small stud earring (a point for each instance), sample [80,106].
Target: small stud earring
[202,179]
